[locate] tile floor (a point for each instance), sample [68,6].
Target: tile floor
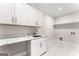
[61,48]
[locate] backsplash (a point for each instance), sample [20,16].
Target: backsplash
[5,36]
[67,35]
[7,31]
[69,32]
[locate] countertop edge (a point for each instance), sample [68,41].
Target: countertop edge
[9,41]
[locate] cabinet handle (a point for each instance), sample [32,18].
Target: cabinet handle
[12,19]
[37,23]
[15,19]
[41,45]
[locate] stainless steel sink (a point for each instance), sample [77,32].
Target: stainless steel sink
[36,35]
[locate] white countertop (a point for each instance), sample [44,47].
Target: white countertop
[16,40]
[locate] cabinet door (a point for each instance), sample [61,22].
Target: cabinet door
[44,45]
[35,47]
[40,18]
[38,46]
[6,13]
[35,16]
[21,14]
[32,16]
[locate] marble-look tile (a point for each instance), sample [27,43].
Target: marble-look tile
[58,48]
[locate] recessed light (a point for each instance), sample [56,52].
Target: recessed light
[60,8]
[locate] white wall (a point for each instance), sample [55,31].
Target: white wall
[66,34]
[65,30]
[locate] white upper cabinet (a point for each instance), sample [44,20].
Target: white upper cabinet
[21,14]
[40,19]
[32,16]
[5,13]
[35,16]
[25,15]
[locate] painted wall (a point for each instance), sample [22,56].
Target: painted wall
[65,30]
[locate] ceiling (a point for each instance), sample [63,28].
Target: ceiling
[53,8]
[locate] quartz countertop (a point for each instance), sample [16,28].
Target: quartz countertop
[16,40]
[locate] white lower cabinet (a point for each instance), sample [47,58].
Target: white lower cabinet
[38,47]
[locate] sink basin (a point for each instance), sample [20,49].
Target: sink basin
[36,35]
